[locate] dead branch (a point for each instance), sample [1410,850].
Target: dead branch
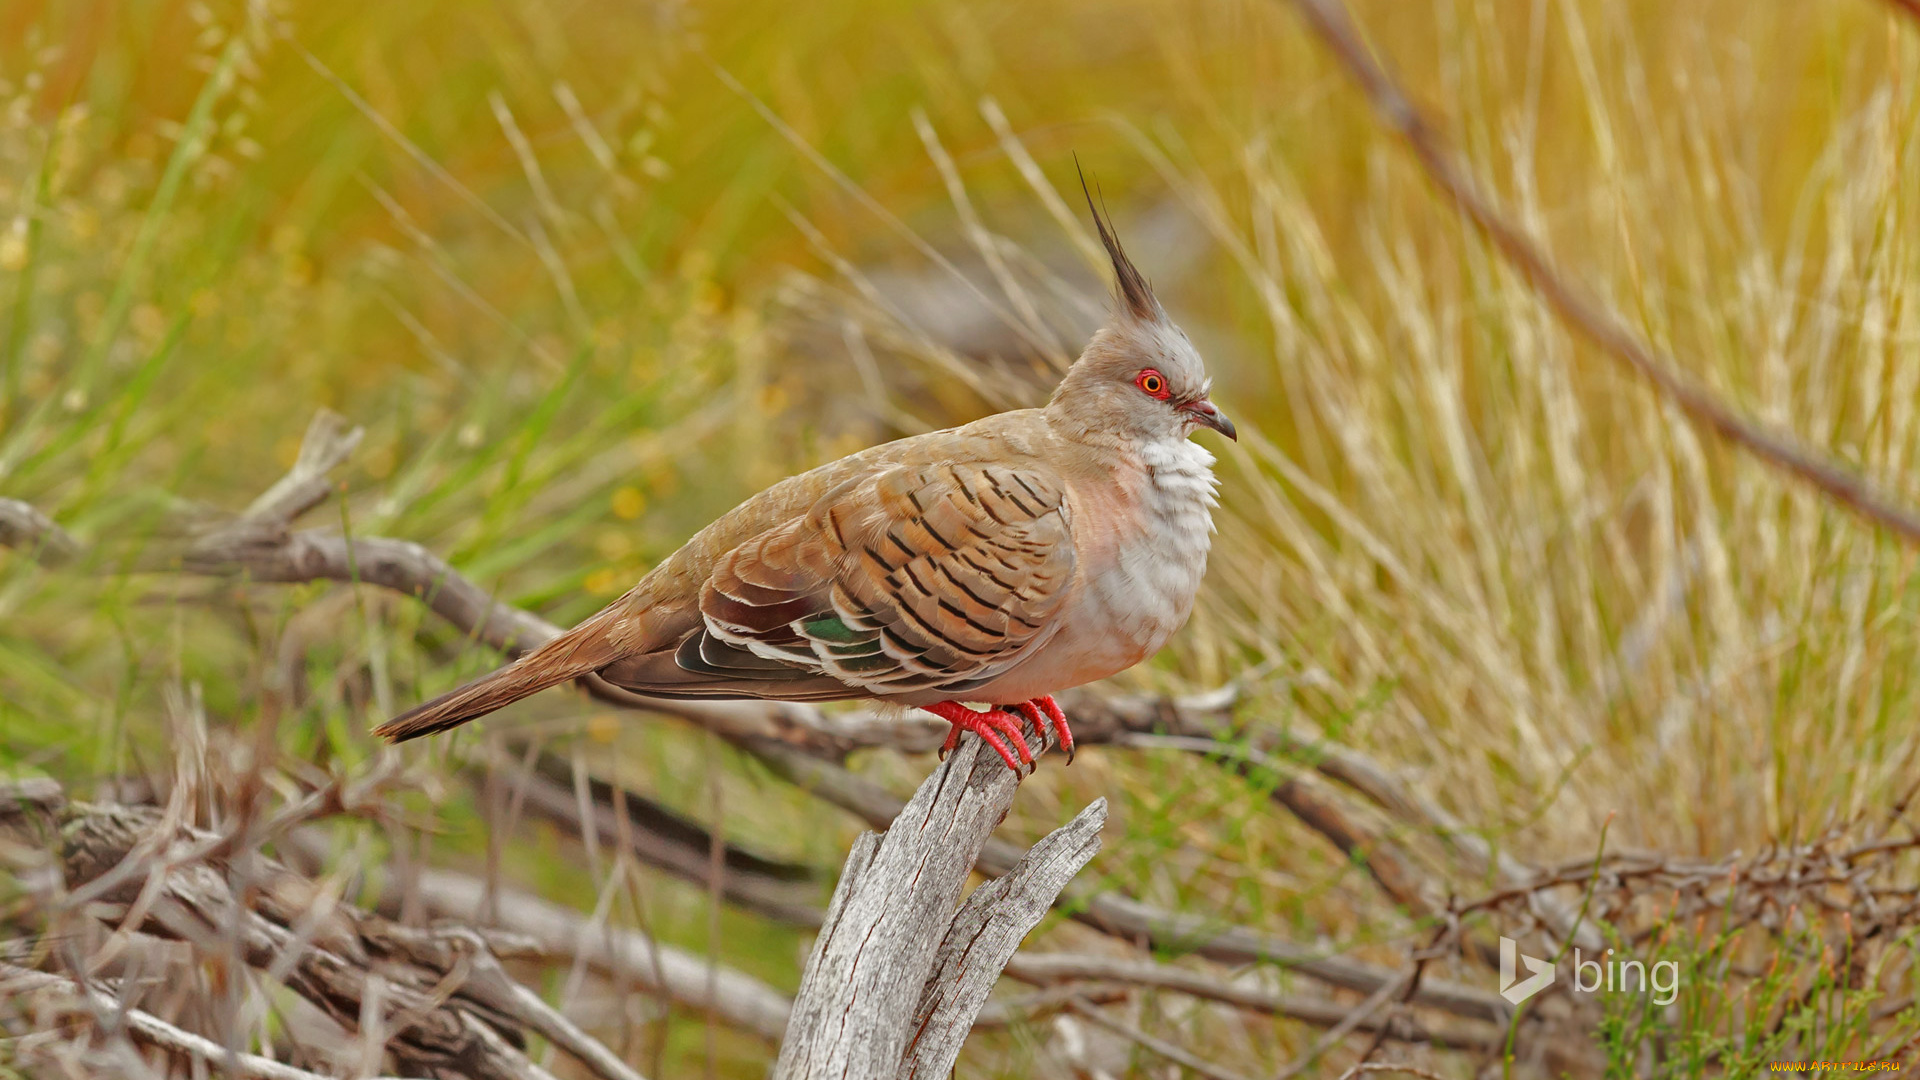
[1161,1047]
[327,443]
[112,1016]
[24,528]
[1069,969]
[984,935]
[871,993]
[738,999]
[1129,919]
[1779,450]
[659,838]
[441,997]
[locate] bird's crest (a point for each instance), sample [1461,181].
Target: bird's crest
[1130,285]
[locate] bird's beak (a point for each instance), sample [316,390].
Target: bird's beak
[1207,415]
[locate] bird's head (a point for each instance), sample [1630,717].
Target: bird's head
[1139,379]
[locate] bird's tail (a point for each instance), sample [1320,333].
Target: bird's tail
[579,651]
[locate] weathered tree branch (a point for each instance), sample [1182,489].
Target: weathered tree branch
[24,528]
[984,935]
[442,1000]
[326,445]
[632,957]
[873,992]
[659,837]
[17,984]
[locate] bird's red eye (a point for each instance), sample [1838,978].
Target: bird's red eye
[1153,383]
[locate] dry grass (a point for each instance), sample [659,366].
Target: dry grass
[584,296]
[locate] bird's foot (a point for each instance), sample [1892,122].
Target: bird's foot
[1000,728]
[990,725]
[1044,712]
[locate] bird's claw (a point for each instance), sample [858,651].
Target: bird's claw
[1045,713]
[991,726]
[1001,725]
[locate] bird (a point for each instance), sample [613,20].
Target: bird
[993,564]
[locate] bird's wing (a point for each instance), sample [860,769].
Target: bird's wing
[909,579]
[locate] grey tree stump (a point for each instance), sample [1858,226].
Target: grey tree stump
[901,968]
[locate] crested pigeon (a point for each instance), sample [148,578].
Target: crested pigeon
[997,563]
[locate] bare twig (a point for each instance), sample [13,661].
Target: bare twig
[1069,968]
[739,999]
[328,442]
[1159,1046]
[661,838]
[24,528]
[1778,449]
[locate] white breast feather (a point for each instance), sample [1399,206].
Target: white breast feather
[1150,593]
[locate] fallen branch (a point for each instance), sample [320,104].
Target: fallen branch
[111,1016]
[441,998]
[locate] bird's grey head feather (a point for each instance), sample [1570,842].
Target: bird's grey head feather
[1101,398]
[1133,294]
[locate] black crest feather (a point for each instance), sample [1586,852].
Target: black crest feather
[1131,286]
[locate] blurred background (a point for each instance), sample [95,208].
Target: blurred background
[590,273]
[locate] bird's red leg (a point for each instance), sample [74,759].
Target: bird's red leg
[989,725]
[1042,713]
[1052,709]
[1032,712]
